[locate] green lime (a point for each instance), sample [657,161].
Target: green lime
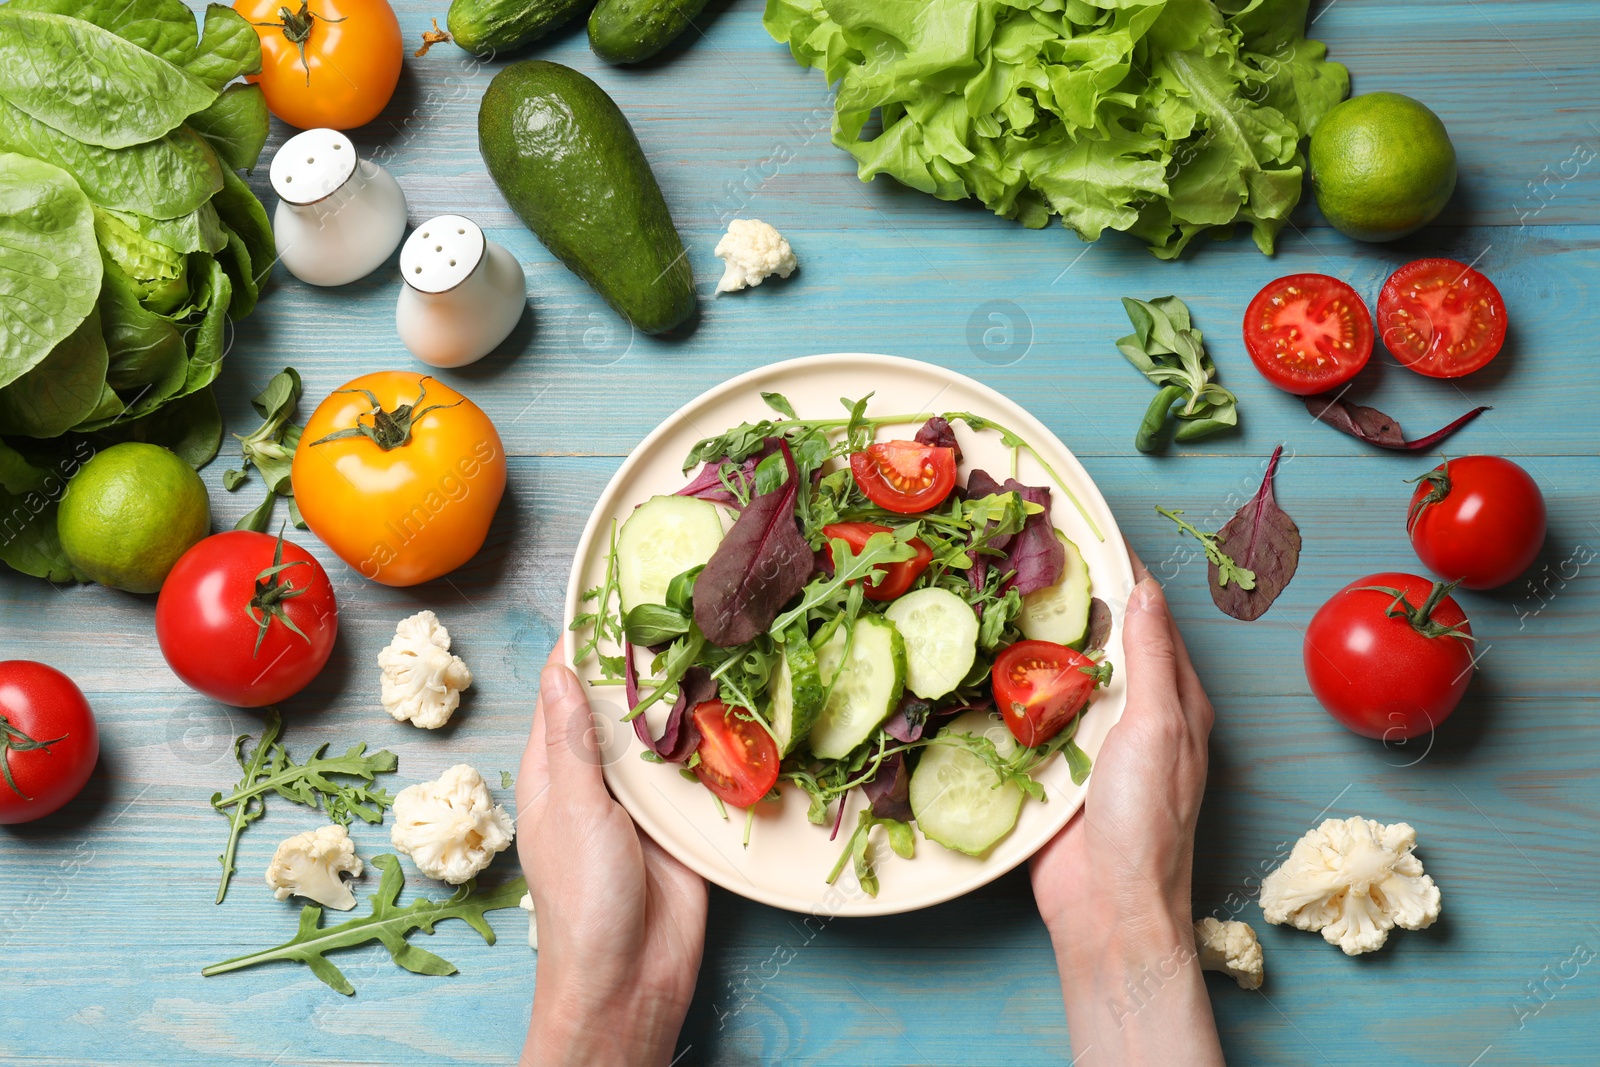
[1382,165]
[130,513]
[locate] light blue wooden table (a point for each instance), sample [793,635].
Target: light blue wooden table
[105,910]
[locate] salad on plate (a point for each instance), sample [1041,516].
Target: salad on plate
[826,611]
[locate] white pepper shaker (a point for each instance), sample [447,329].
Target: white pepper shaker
[339,216]
[463,293]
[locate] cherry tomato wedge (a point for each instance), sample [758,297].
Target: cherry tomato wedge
[904,476]
[1477,520]
[895,578]
[1039,686]
[1441,318]
[1308,333]
[738,758]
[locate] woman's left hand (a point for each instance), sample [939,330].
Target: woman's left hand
[621,924]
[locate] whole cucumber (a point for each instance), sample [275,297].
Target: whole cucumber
[484,27]
[569,164]
[631,31]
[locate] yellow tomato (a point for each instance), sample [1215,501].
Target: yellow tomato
[400,475]
[329,63]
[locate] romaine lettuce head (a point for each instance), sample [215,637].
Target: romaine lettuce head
[159,274]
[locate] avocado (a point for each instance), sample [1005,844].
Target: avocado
[631,31]
[484,27]
[569,164]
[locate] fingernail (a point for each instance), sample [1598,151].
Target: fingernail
[556,682]
[1144,596]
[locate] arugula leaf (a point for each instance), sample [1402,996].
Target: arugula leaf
[1227,569]
[269,769]
[388,923]
[880,548]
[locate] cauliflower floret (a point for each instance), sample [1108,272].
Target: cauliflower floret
[422,681]
[1230,948]
[1353,879]
[526,904]
[450,828]
[309,864]
[753,251]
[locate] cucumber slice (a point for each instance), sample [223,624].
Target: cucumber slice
[954,794]
[1059,613]
[865,688]
[941,635]
[796,689]
[665,536]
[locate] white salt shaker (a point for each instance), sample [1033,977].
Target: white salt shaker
[463,293]
[339,216]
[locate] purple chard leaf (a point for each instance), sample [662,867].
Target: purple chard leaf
[1373,426]
[680,737]
[889,791]
[761,565]
[1263,539]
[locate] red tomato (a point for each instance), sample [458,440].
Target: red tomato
[1039,686]
[1308,333]
[895,578]
[1386,668]
[905,476]
[738,758]
[48,741]
[1477,520]
[247,619]
[1441,318]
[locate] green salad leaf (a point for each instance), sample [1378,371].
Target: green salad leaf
[62,390]
[128,96]
[49,267]
[164,178]
[1161,118]
[388,923]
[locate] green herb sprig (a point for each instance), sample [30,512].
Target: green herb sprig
[1227,569]
[1167,349]
[388,923]
[269,769]
[270,449]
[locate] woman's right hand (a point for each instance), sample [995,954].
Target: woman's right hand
[1113,887]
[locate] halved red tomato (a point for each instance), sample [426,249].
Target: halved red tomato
[1308,333]
[1441,318]
[895,578]
[904,476]
[738,758]
[1039,686]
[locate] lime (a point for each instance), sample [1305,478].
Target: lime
[1382,165]
[130,513]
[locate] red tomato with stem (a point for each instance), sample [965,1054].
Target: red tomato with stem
[894,578]
[247,618]
[1389,655]
[1441,318]
[904,476]
[1308,333]
[49,742]
[1477,520]
[738,757]
[1040,686]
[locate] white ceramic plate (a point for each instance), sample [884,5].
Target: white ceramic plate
[788,858]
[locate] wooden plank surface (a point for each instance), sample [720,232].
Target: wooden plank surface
[105,910]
